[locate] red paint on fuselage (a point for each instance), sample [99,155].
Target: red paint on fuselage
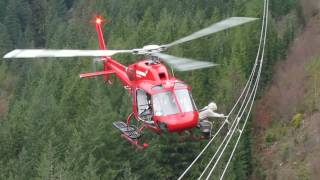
[145,75]
[149,70]
[179,122]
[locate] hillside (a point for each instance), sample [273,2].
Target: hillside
[287,126]
[54,125]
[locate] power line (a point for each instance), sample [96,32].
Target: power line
[251,98]
[244,125]
[248,84]
[203,150]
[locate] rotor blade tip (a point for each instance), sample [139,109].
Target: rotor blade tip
[8,55]
[11,54]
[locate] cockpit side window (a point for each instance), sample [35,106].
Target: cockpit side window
[143,103]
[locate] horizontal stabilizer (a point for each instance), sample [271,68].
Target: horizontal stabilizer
[94,74]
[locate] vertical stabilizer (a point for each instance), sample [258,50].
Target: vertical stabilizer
[99,22]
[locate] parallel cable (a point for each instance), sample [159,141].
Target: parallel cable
[237,120]
[247,117]
[203,150]
[248,84]
[253,68]
[251,99]
[215,154]
[230,137]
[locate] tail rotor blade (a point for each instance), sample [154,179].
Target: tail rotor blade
[220,26]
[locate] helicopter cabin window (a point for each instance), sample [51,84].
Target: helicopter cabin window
[143,103]
[180,85]
[157,88]
[164,104]
[185,100]
[170,102]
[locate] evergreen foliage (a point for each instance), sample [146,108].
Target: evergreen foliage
[60,127]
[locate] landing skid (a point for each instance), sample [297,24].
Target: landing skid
[130,133]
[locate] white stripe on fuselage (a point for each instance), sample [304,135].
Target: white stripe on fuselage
[141,73]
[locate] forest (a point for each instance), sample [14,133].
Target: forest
[54,125]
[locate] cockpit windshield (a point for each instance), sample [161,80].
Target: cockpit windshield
[165,103]
[185,101]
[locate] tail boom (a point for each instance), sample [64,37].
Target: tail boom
[111,66]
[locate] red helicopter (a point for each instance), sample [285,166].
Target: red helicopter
[161,102]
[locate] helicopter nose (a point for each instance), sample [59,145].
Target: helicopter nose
[179,122]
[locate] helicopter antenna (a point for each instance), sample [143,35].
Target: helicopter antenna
[172,71]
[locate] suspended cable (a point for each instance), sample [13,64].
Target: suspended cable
[203,150]
[221,144]
[245,89]
[247,117]
[251,99]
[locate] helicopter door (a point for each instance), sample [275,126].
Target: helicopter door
[143,104]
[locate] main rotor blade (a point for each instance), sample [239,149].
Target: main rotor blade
[220,26]
[183,64]
[38,53]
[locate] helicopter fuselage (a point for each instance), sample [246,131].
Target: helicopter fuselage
[167,101]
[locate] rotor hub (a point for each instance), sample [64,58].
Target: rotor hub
[149,49]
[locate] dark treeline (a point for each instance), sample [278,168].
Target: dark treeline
[54,125]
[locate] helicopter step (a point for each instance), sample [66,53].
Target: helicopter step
[130,134]
[129,131]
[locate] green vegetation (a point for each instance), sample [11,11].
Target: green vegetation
[296,120]
[60,126]
[313,84]
[276,131]
[303,173]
